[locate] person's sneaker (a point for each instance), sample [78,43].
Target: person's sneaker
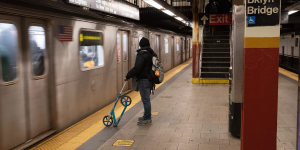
[141,118]
[144,121]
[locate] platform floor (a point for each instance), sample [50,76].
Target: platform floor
[188,116]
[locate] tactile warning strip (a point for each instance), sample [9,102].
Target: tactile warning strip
[74,136]
[289,74]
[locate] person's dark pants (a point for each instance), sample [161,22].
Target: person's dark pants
[144,87]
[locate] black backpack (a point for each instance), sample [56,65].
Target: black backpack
[156,68]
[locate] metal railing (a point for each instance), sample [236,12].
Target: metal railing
[201,50]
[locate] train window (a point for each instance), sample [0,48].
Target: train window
[37,47]
[177,44]
[125,47]
[91,49]
[157,44]
[140,40]
[8,51]
[119,45]
[296,42]
[166,45]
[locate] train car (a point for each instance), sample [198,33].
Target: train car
[58,68]
[289,52]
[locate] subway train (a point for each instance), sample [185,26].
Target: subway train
[289,52]
[61,63]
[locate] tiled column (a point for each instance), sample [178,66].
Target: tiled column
[259,111]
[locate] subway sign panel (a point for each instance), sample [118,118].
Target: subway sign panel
[116,7]
[262,12]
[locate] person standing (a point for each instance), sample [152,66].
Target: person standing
[225,6]
[141,69]
[212,8]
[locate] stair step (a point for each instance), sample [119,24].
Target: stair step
[214,78]
[216,54]
[206,37]
[216,32]
[216,45]
[215,69]
[216,50]
[218,28]
[215,59]
[215,74]
[216,41]
[215,64]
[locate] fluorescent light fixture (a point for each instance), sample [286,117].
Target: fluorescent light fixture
[178,18]
[292,11]
[154,4]
[168,12]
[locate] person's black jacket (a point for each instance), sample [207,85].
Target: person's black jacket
[143,64]
[225,6]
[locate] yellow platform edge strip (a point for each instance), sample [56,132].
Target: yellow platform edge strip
[289,74]
[262,42]
[77,134]
[209,81]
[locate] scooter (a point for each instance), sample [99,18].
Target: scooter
[110,119]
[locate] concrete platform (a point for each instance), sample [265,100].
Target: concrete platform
[189,117]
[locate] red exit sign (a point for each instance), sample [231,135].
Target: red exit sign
[220,19]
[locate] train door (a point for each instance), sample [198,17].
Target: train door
[181,50]
[282,61]
[172,52]
[24,91]
[157,47]
[292,58]
[178,52]
[123,63]
[189,48]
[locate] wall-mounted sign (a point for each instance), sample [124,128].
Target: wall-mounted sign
[220,19]
[116,7]
[262,12]
[215,19]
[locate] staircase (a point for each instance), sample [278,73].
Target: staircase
[215,55]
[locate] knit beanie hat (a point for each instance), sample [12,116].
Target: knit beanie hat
[144,42]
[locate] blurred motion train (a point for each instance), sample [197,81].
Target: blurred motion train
[289,52]
[61,63]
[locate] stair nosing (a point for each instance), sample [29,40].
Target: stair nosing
[215,67]
[215,57]
[214,72]
[218,48]
[215,35]
[216,43]
[215,62]
[215,78]
[215,52]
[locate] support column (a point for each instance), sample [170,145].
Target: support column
[261,57]
[196,41]
[197,8]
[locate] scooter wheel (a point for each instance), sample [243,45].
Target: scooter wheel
[124,99]
[107,121]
